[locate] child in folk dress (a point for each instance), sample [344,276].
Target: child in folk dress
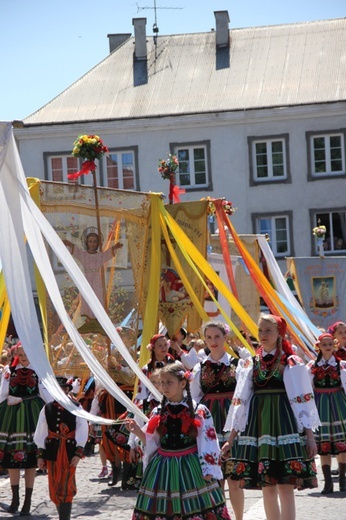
[182,456]
[60,437]
[328,374]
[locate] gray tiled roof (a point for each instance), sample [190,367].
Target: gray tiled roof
[271,66]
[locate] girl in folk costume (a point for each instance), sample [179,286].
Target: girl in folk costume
[328,374]
[213,385]
[60,437]
[22,397]
[182,456]
[338,331]
[274,413]
[160,357]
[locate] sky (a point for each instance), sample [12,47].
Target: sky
[49,44]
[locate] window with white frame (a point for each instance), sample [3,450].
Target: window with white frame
[59,166]
[269,159]
[335,224]
[327,154]
[120,170]
[277,227]
[193,165]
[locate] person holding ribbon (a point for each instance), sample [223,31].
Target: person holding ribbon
[22,396]
[273,416]
[60,437]
[182,456]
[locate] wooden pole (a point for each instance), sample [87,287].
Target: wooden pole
[98,224]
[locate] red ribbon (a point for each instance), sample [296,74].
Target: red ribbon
[174,192]
[153,423]
[186,423]
[87,166]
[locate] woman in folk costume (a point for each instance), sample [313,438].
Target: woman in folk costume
[159,357]
[22,397]
[213,385]
[328,374]
[273,414]
[182,456]
[60,437]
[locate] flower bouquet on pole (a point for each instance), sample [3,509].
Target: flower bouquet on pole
[320,233]
[89,148]
[167,168]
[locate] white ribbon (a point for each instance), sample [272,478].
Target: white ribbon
[19,217]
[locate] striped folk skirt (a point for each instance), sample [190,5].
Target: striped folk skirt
[17,428]
[331,435]
[173,487]
[271,451]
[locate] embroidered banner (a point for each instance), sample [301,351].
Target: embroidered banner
[321,285]
[175,306]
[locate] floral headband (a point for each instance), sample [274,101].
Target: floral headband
[322,336]
[153,340]
[185,374]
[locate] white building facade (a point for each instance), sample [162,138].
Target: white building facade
[254,115]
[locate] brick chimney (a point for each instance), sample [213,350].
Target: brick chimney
[222,29]
[140,38]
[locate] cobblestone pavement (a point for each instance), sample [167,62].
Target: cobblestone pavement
[96,500]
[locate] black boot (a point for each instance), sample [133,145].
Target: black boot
[328,483]
[15,500]
[342,478]
[116,470]
[27,503]
[65,510]
[126,467]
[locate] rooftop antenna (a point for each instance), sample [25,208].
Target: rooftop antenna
[155,26]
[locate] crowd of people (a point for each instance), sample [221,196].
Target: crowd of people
[251,421]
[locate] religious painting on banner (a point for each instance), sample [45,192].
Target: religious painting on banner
[320,284]
[175,305]
[108,241]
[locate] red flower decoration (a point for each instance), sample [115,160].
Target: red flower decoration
[209,459]
[296,466]
[120,438]
[211,433]
[19,456]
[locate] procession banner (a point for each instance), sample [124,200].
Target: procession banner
[320,284]
[192,219]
